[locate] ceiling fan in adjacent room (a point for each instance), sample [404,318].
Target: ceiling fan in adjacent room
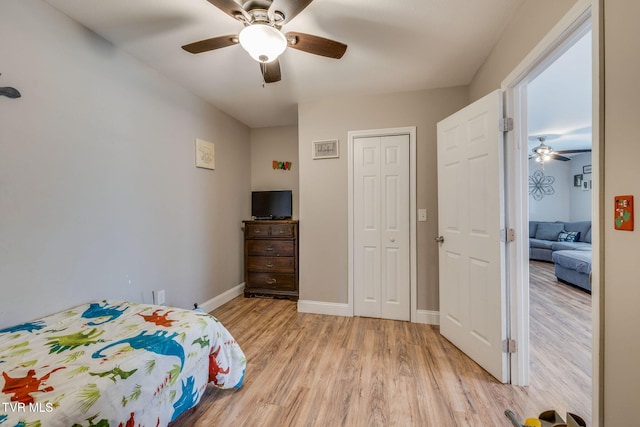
[262,37]
[543,152]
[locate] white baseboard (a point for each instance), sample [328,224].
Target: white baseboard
[329,308]
[428,317]
[224,297]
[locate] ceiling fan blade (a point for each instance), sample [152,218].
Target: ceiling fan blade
[271,71]
[556,156]
[289,9]
[211,44]
[585,150]
[316,45]
[232,9]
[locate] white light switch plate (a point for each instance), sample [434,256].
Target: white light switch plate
[422,215]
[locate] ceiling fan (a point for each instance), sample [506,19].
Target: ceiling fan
[543,153]
[261,36]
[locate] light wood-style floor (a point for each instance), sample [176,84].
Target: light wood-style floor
[315,370]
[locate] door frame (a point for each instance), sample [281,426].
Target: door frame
[573,25]
[413,274]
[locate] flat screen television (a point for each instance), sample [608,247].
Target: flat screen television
[275,204]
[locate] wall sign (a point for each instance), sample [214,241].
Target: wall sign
[285,166]
[326,149]
[623,214]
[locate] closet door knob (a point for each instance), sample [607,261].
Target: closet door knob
[439,239]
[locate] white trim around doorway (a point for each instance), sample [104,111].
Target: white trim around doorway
[569,29]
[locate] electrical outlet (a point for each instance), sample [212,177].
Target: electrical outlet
[161,297]
[422,215]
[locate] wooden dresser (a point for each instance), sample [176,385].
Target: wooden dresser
[271,258]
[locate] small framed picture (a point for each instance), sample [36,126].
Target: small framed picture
[586,169]
[326,149]
[577,180]
[586,185]
[205,154]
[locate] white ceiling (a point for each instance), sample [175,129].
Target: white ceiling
[559,100]
[393,46]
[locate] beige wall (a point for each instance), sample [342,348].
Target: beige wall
[533,20]
[99,194]
[276,143]
[621,284]
[324,192]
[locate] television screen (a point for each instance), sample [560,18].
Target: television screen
[271,204]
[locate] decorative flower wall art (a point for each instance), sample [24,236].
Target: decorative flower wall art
[540,185]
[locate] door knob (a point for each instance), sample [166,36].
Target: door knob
[439,239]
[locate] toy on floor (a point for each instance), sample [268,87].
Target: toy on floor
[547,419]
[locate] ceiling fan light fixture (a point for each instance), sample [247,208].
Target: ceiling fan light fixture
[543,150]
[263,42]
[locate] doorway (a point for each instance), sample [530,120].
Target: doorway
[575,24]
[516,291]
[559,118]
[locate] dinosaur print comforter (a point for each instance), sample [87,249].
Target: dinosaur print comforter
[113,364]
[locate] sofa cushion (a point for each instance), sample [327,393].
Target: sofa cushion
[568,236]
[587,237]
[542,244]
[533,225]
[549,230]
[574,260]
[575,246]
[582,227]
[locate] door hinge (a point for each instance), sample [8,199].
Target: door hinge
[505,124]
[509,346]
[508,235]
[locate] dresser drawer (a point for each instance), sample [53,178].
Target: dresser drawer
[283,282]
[275,264]
[257,230]
[270,247]
[281,230]
[264,230]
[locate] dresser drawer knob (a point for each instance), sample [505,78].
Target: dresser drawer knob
[269,249]
[271,281]
[270,265]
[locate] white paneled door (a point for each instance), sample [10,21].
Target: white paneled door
[470,220]
[381,258]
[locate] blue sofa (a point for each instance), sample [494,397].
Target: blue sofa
[543,238]
[572,260]
[573,267]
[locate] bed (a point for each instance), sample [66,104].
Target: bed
[113,364]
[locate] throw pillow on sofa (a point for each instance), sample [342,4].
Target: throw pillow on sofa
[549,231]
[568,236]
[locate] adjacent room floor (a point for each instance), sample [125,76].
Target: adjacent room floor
[315,370]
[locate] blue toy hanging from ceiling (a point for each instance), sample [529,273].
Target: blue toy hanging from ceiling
[10,92]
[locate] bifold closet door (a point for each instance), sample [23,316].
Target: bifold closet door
[381,227]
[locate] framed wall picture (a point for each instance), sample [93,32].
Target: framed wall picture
[577,180]
[586,169]
[623,213]
[326,149]
[205,154]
